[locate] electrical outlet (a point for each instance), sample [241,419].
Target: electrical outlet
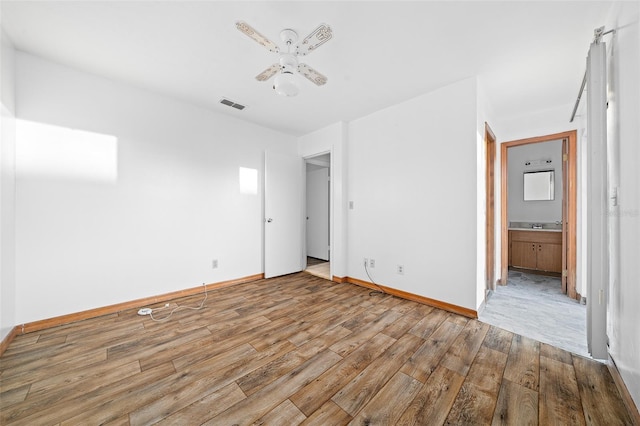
[372,263]
[400,269]
[214,263]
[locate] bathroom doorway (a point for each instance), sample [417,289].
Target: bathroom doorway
[537,297]
[568,204]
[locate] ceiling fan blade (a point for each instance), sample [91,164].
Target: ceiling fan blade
[317,38]
[268,73]
[259,38]
[312,75]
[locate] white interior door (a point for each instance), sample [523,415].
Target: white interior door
[283,214]
[318,213]
[597,203]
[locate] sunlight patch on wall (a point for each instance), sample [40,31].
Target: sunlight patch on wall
[44,150]
[248,181]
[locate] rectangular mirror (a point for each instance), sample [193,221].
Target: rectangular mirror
[538,185]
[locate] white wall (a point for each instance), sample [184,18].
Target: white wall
[623,315]
[538,123]
[534,211]
[174,206]
[412,179]
[333,139]
[7,187]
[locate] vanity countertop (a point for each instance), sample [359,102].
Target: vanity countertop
[539,226]
[535,229]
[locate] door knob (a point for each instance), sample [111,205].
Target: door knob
[269,220]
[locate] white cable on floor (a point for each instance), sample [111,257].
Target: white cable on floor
[180,307]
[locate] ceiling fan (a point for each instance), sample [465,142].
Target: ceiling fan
[285,82]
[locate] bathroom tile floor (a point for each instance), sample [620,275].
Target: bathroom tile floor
[534,306]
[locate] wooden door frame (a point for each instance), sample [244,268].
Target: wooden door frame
[565,211]
[569,225]
[490,225]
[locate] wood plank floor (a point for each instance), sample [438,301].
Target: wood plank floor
[298,350]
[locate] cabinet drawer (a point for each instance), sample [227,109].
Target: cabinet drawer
[536,236]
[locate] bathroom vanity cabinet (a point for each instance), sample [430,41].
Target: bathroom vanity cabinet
[536,249]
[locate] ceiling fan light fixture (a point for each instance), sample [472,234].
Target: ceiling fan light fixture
[285,84]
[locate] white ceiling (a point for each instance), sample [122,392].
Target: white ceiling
[529,55]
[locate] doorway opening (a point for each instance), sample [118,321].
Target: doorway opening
[531,215]
[318,215]
[538,297]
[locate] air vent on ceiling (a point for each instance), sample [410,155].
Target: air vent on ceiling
[232,104]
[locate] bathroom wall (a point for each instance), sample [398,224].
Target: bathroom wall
[533,211]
